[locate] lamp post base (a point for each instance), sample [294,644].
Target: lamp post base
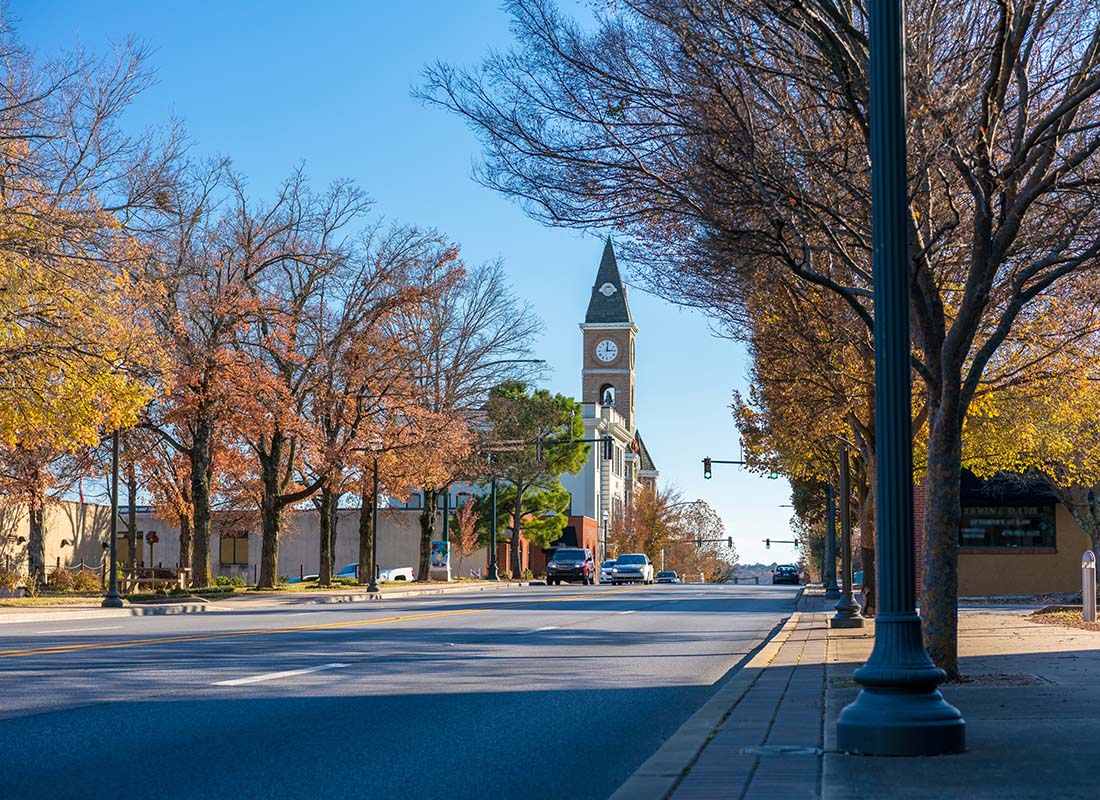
[899,711]
[847,614]
[111,601]
[373,587]
[493,575]
[885,722]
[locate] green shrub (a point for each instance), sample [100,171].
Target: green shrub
[86,581]
[61,579]
[528,575]
[505,576]
[227,582]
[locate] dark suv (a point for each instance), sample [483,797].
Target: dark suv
[571,564]
[786,573]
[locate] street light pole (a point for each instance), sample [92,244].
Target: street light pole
[493,574]
[899,710]
[373,586]
[112,599]
[605,518]
[847,609]
[832,591]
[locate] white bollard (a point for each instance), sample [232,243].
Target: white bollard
[1088,586]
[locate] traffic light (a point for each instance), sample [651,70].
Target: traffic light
[729,541]
[767,544]
[796,544]
[607,448]
[706,468]
[773,475]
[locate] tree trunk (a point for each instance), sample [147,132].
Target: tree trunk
[866,512]
[334,527]
[131,514]
[324,558]
[36,543]
[270,520]
[186,541]
[427,534]
[517,518]
[201,462]
[366,532]
[940,598]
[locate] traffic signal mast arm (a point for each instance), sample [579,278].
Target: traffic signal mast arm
[708,461]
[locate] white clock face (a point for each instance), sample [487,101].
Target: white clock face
[607,351]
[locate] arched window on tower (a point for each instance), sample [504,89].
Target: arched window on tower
[607,395]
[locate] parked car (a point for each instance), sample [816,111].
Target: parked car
[632,568]
[391,574]
[786,573]
[668,576]
[605,570]
[571,564]
[303,578]
[396,574]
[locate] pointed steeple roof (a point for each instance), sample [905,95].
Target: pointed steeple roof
[608,303]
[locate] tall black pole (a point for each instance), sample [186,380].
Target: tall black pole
[899,710]
[847,609]
[112,599]
[493,574]
[832,591]
[373,586]
[447,532]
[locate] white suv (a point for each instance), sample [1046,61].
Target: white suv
[632,568]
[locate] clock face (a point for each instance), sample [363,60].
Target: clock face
[607,351]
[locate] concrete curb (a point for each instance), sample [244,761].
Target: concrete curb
[658,776]
[44,615]
[200,605]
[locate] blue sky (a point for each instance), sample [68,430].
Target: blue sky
[275,84]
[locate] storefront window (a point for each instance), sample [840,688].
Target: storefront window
[1007,526]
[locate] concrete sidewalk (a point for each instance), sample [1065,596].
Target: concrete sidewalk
[1030,695]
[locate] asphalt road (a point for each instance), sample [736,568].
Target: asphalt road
[536,692]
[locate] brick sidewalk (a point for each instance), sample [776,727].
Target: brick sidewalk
[769,746]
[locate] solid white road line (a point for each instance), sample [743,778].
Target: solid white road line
[274,676]
[538,630]
[80,630]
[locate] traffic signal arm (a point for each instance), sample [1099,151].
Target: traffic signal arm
[707,470]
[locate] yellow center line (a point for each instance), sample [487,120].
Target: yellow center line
[201,637]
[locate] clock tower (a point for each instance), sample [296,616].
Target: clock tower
[607,375]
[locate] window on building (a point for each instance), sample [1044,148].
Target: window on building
[234,551]
[1007,526]
[607,395]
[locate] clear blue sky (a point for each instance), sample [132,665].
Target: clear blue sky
[277,83]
